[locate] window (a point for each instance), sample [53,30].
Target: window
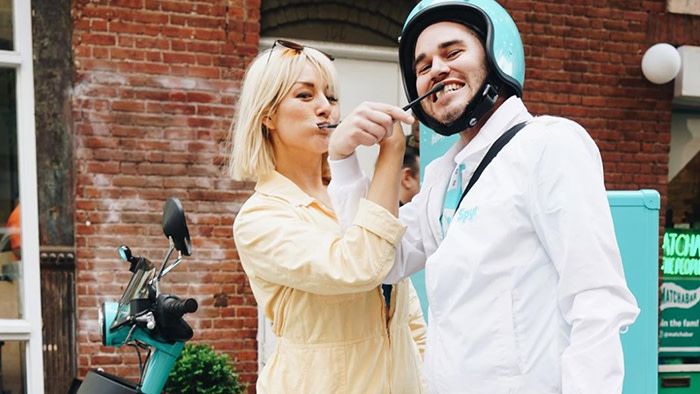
[20,314]
[12,367]
[683,7]
[6,25]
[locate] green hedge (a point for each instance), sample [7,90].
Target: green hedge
[200,370]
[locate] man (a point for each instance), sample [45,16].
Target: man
[523,275]
[409,183]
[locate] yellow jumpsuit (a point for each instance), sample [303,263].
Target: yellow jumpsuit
[320,288]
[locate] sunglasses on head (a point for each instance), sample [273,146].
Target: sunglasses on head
[295,47]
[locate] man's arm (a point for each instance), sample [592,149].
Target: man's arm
[570,212]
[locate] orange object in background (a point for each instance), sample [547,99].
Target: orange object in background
[13,225]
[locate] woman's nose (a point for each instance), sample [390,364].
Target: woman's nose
[324,106]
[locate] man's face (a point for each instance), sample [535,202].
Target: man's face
[450,53]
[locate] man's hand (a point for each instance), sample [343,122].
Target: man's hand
[367,125]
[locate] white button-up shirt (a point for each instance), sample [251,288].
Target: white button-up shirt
[526,289]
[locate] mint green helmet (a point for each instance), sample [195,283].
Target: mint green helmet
[502,43]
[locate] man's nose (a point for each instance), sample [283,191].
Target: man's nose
[438,69]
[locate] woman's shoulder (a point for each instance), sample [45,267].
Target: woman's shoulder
[257,207]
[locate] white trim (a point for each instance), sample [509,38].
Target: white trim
[679,368]
[348,51]
[10,59]
[15,330]
[29,328]
[679,349]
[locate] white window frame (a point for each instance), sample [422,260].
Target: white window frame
[29,328]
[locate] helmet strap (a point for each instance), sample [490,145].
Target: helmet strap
[489,95]
[477,108]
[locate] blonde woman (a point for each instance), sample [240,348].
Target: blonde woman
[319,284]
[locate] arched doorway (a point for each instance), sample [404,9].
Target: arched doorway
[360,22]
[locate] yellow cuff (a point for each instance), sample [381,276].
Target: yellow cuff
[378,220]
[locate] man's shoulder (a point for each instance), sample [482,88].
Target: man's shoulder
[552,123]
[547,129]
[556,138]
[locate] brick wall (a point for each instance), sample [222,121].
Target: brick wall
[154,93]
[584,62]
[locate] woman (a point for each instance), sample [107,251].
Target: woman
[319,284]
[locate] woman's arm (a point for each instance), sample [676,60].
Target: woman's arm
[278,243]
[384,188]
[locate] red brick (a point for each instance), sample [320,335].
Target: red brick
[98,39]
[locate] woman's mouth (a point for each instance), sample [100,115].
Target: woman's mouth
[449,87]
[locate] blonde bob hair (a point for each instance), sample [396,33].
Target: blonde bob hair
[268,80]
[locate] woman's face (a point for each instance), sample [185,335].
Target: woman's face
[295,125]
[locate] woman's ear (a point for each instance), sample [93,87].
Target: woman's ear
[268,123]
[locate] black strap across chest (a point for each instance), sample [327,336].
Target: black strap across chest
[492,152]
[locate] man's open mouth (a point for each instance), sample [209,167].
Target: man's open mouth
[450,87]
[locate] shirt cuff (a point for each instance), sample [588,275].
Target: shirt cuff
[379,221]
[345,171]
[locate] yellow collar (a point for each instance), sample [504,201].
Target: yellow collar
[277,185]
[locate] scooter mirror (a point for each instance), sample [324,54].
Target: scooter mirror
[175,226]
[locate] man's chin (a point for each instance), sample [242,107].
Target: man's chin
[447,118]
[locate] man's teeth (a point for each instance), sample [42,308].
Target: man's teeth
[448,88]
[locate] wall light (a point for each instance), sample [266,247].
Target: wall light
[661,63]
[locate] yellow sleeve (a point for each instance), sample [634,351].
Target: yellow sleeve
[416,322]
[275,244]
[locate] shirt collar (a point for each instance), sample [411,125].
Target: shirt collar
[510,113]
[277,185]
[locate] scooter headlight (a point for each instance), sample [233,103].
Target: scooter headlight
[110,336]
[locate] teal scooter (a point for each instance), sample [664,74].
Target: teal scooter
[145,318]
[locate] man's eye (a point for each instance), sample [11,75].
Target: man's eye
[453,54]
[422,69]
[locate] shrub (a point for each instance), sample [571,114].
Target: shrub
[200,370]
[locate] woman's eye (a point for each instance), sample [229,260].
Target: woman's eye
[332,99]
[304,95]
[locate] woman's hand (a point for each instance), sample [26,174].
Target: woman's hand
[367,125]
[395,143]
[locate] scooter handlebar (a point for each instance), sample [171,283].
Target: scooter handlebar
[176,307]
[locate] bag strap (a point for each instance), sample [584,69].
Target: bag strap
[492,152]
